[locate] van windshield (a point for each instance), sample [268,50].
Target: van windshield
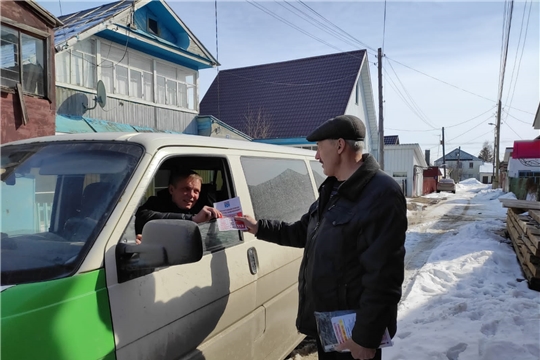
[56,198]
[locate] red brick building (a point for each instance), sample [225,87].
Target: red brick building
[27,79]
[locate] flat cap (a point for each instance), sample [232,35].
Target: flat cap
[347,127]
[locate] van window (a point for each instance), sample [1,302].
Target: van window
[56,197]
[318,174]
[216,186]
[280,189]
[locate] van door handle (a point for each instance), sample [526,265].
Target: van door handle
[253,260]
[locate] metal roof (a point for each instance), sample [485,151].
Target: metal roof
[124,22]
[294,96]
[83,20]
[456,154]
[391,140]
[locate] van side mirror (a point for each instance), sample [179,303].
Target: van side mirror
[164,243]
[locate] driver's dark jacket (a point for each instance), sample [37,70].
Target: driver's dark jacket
[353,252]
[159,207]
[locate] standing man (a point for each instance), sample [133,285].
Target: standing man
[175,203]
[353,238]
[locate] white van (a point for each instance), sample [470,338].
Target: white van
[75,285]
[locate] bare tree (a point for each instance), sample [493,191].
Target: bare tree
[486,153]
[453,171]
[257,123]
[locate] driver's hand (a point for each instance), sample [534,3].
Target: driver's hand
[206,214]
[138,239]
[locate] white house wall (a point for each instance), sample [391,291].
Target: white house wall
[515,166]
[466,171]
[397,162]
[364,109]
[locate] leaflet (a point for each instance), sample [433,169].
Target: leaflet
[335,327]
[229,209]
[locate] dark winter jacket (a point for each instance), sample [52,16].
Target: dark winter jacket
[353,252]
[159,207]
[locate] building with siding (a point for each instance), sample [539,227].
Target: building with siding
[281,103]
[524,169]
[461,165]
[486,172]
[145,56]
[406,164]
[27,70]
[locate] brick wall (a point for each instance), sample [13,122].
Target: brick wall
[41,111]
[41,117]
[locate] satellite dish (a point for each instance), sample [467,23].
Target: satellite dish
[100,98]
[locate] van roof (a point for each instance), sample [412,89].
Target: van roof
[155,141]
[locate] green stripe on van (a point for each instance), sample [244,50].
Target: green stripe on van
[67,318]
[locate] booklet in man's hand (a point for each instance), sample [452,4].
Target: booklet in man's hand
[335,327]
[229,209]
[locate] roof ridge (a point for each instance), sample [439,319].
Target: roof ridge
[297,60]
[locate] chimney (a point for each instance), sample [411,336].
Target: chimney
[427,157]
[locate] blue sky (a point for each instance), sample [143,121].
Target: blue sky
[453,48]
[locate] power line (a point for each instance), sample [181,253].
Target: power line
[337,27]
[521,57]
[448,142]
[504,53]
[317,23]
[466,121]
[454,86]
[384,27]
[508,114]
[271,13]
[274,15]
[395,87]
[444,82]
[216,16]
[474,127]
[446,127]
[412,100]
[412,130]
[519,136]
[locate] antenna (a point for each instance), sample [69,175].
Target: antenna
[100,98]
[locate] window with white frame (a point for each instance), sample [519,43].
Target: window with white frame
[129,73]
[77,65]
[22,60]
[176,86]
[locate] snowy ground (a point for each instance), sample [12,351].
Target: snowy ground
[464,296]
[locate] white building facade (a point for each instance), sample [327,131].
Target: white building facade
[405,163]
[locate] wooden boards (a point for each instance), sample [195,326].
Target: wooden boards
[520,204]
[524,231]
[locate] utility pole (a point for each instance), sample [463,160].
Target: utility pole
[381,119]
[443,154]
[495,184]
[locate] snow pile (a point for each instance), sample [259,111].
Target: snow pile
[469,301]
[471,181]
[466,297]
[508,195]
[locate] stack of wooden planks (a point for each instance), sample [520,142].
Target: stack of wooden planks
[523,227]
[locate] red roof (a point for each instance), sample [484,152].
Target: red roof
[526,149]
